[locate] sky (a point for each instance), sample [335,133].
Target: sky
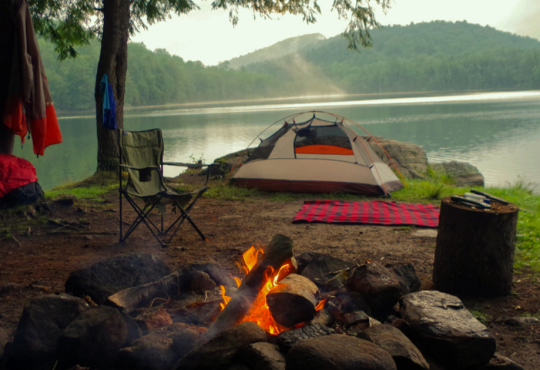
[208,35]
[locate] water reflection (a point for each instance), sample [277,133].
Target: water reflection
[497,132]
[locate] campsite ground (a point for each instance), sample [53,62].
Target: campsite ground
[37,254]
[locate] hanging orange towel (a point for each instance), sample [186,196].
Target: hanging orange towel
[29,106]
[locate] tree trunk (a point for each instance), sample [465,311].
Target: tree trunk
[7,38]
[113,62]
[475,249]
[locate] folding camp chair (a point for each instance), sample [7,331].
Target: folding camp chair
[141,155]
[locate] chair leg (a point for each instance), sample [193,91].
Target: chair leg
[142,217]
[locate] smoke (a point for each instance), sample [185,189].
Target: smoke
[524,19]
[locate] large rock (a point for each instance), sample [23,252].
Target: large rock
[406,275]
[162,348]
[338,352]
[93,338]
[445,327]
[105,278]
[393,341]
[220,350]
[262,356]
[379,286]
[316,266]
[464,174]
[410,159]
[40,327]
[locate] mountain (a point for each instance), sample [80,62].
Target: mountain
[430,56]
[287,46]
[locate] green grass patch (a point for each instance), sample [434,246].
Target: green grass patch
[480,316]
[90,189]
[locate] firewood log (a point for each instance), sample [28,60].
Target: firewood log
[293,301]
[275,254]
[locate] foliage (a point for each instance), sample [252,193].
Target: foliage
[90,189]
[422,57]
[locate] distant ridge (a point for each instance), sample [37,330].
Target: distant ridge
[279,49]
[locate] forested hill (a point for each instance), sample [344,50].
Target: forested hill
[424,57]
[279,49]
[434,56]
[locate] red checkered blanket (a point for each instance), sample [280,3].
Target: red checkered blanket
[373,212]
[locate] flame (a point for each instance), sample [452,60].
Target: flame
[259,311]
[226,299]
[237,280]
[320,305]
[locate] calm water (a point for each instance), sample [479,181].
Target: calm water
[497,132]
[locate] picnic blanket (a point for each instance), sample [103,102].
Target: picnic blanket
[373,212]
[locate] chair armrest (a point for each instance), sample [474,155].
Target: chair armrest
[188,164]
[139,168]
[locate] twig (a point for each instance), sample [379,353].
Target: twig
[18,242]
[158,298]
[55,363]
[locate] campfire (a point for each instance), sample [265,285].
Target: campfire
[277,297]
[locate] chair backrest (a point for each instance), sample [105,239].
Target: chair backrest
[142,149]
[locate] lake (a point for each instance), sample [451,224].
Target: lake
[497,132]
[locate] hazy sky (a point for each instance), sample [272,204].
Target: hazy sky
[208,35]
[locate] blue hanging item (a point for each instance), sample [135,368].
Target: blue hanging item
[109,105]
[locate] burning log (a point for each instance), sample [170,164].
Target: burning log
[293,301]
[279,251]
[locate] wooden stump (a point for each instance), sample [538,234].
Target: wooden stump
[475,249]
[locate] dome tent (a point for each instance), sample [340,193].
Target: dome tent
[322,154]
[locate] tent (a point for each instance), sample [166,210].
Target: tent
[321,154]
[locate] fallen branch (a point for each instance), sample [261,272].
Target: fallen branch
[275,254]
[18,242]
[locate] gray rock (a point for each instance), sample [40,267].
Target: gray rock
[408,280]
[410,159]
[379,286]
[262,356]
[445,327]
[464,174]
[521,321]
[338,352]
[393,341]
[109,276]
[499,362]
[288,338]
[40,327]
[320,265]
[219,351]
[93,338]
[161,348]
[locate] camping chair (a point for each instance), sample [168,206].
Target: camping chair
[141,155]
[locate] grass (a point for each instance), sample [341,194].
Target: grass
[91,189]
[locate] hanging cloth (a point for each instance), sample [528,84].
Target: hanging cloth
[29,105]
[109,105]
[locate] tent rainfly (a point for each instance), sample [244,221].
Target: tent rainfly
[317,156]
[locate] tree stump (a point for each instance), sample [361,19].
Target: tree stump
[475,249]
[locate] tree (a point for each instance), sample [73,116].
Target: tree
[71,23]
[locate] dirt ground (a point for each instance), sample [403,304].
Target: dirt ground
[41,258]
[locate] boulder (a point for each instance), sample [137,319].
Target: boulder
[338,352]
[262,356]
[288,338]
[220,350]
[444,326]
[105,278]
[393,341]
[93,338]
[379,286]
[410,159]
[499,362]
[408,280]
[318,265]
[161,348]
[40,327]
[463,174]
